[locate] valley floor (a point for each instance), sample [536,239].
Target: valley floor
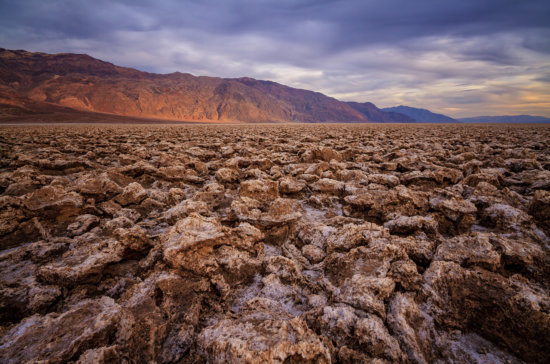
[275,243]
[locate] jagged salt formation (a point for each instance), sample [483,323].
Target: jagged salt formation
[275,244]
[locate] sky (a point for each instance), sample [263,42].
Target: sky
[461,58]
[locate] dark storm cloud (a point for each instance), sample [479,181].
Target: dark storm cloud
[350,49]
[335,24]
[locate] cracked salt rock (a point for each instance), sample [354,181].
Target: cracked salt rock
[327,185]
[134,238]
[184,209]
[411,224]
[276,338]
[383,179]
[290,185]
[405,273]
[100,185]
[475,250]
[313,253]
[82,224]
[192,232]
[87,323]
[367,293]
[540,208]
[52,197]
[453,208]
[373,335]
[282,210]
[84,262]
[132,194]
[262,190]
[212,194]
[505,216]
[227,175]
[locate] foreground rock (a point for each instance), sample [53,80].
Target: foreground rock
[62,337]
[281,244]
[263,333]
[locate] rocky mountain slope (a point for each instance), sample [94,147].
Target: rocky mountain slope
[421,115]
[371,112]
[31,80]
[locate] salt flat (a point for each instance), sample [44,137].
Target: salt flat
[281,243]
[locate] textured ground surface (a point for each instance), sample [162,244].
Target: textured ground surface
[289,244]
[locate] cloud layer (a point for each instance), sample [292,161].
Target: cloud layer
[462,58]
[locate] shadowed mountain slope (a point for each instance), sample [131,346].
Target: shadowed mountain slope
[421,115]
[373,113]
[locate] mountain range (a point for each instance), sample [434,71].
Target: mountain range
[67,87]
[421,115]
[38,83]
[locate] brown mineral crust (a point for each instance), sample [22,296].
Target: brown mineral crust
[189,243]
[377,203]
[22,294]
[274,243]
[52,197]
[456,214]
[134,193]
[82,224]
[101,186]
[475,250]
[291,185]
[540,208]
[12,214]
[84,262]
[227,175]
[275,337]
[68,335]
[261,190]
[510,311]
[405,225]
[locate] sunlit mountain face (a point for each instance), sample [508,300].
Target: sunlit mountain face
[39,83]
[460,59]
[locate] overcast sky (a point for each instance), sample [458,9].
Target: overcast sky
[462,58]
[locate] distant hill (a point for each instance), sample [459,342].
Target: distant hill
[35,85]
[506,119]
[373,113]
[421,115]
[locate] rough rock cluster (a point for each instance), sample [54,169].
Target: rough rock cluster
[280,243]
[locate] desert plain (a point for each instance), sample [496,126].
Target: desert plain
[275,243]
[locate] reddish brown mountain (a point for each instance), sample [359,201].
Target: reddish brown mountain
[34,82]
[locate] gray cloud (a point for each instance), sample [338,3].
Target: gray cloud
[428,52]
[543,78]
